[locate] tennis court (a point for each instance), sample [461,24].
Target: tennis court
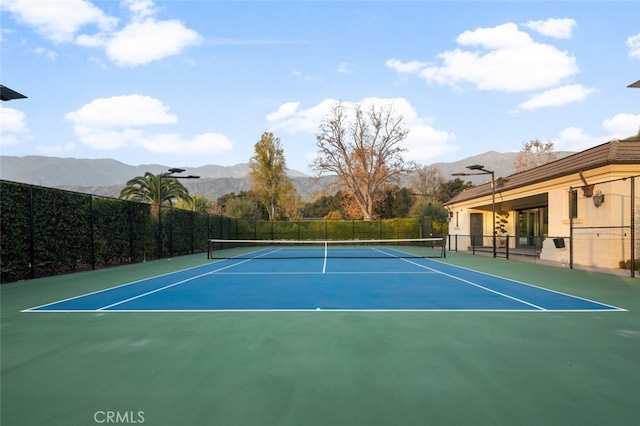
[382,275]
[400,337]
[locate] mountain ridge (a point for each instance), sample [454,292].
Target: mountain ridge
[107,176]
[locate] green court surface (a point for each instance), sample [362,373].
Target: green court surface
[321,368]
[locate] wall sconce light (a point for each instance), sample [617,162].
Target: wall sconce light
[598,199]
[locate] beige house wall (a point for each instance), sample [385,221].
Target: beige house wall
[604,244]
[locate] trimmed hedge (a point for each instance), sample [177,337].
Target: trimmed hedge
[342,229]
[46,231]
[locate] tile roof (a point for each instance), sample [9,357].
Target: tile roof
[612,152]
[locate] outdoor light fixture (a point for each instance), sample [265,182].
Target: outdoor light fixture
[482,171]
[168,173]
[7,94]
[475,167]
[598,199]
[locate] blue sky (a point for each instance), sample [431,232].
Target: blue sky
[190,83]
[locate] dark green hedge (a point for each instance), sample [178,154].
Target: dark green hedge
[15,227]
[47,231]
[342,229]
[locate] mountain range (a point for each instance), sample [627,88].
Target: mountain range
[107,177]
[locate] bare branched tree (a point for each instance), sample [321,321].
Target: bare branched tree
[364,152]
[427,181]
[533,154]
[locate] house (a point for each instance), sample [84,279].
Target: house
[581,210]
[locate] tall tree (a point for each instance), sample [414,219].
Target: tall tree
[533,154]
[290,203]
[365,152]
[396,203]
[427,181]
[222,203]
[146,189]
[425,207]
[268,172]
[450,189]
[323,204]
[243,208]
[198,204]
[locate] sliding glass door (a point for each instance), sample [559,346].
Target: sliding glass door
[532,227]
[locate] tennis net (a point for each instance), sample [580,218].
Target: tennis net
[299,249]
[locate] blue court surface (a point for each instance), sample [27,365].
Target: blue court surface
[383,282]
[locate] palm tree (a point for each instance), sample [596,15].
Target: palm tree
[198,204]
[146,189]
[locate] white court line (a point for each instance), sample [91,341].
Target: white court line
[39,308]
[427,269]
[182,282]
[534,286]
[310,310]
[116,287]
[333,273]
[324,264]
[474,284]
[169,286]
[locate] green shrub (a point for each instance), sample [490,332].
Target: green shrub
[626,264]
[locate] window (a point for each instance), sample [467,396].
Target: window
[573,204]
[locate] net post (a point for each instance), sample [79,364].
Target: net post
[507,247]
[444,247]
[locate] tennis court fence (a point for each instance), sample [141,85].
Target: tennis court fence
[47,231]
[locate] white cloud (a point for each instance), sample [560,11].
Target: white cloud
[144,39]
[575,139]
[410,67]
[557,97]
[622,125]
[287,109]
[122,111]
[140,9]
[506,59]
[206,143]
[553,27]
[50,54]
[619,126]
[59,21]
[306,120]
[634,46]
[346,68]
[13,130]
[52,150]
[423,142]
[143,42]
[500,37]
[119,122]
[106,138]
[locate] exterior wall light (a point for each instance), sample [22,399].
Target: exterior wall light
[598,199]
